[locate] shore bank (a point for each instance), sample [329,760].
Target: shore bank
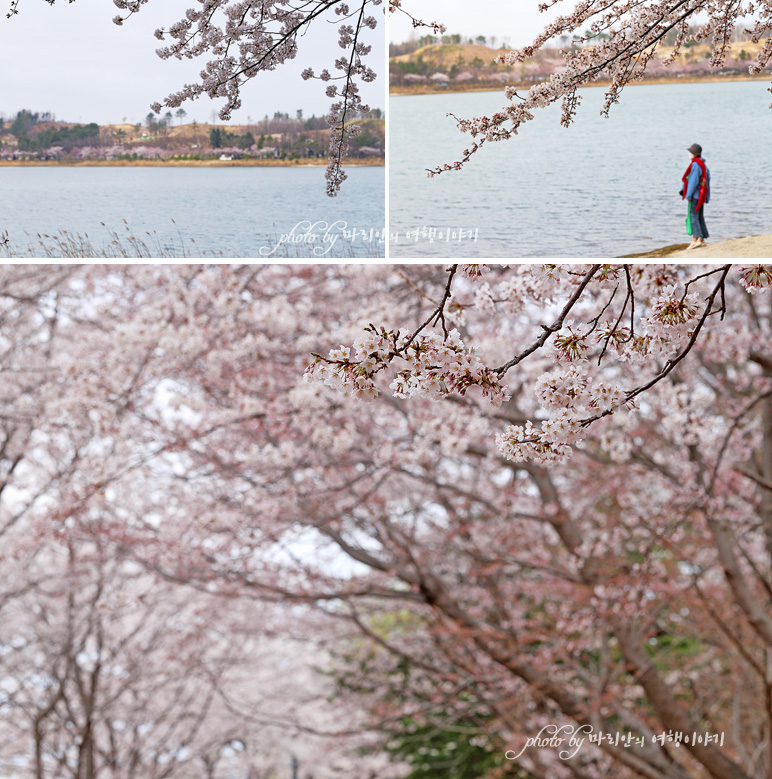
[432,89]
[752,247]
[307,162]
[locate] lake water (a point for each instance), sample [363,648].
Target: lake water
[228,211]
[601,188]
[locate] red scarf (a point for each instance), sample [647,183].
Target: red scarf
[702,193]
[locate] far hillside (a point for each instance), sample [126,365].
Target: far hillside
[30,135]
[430,63]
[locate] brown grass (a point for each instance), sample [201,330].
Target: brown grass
[149,245]
[446,54]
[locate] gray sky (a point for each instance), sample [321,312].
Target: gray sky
[72,60]
[519,21]
[516,21]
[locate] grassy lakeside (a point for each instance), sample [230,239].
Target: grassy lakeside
[432,89]
[304,162]
[65,244]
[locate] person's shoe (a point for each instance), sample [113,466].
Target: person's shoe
[694,246]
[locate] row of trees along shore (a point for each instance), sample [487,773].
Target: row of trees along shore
[281,520]
[32,135]
[442,61]
[504,42]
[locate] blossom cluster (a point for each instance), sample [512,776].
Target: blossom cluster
[569,395]
[436,366]
[572,397]
[548,445]
[671,321]
[756,278]
[626,324]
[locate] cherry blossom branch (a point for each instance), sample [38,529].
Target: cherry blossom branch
[737,419]
[396,5]
[634,31]
[692,340]
[552,442]
[352,103]
[629,296]
[671,364]
[548,330]
[595,320]
[439,312]
[438,365]
[760,480]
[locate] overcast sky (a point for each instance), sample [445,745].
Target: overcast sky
[72,60]
[519,21]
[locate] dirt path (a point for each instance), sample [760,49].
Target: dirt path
[754,247]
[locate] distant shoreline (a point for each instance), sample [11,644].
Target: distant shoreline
[309,162]
[432,89]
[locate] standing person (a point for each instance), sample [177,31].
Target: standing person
[696,190]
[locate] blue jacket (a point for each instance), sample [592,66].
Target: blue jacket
[693,187]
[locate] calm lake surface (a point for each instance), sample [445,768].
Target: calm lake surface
[233,211]
[602,188]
